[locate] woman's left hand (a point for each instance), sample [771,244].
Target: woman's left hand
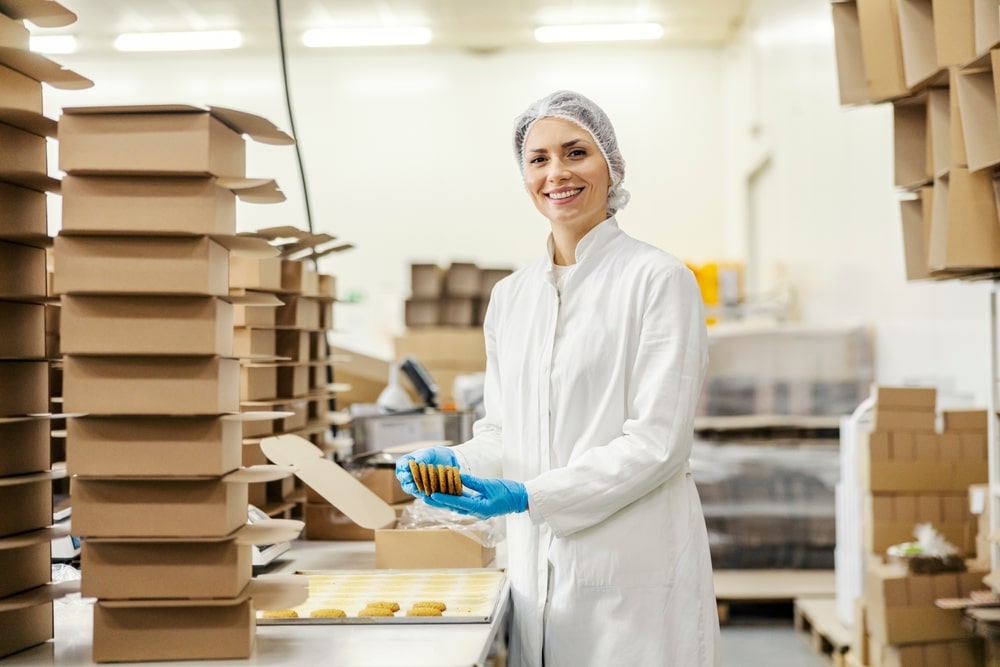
[488,497]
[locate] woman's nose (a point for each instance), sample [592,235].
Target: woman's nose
[557,170]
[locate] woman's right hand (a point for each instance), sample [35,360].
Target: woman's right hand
[430,456]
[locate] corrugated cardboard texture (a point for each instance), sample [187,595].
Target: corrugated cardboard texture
[26,447]
[149,143]
[138,447]
[151,385]
[146,508]
[142,205]
[165,570]
[173,633]
[138,265]
[146,325]
[25,507]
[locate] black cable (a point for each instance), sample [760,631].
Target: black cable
[291,116]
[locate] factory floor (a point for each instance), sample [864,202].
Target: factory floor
[766,638]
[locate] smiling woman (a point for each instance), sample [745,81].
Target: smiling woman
[595,355]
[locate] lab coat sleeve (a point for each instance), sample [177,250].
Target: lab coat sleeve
[661,399]
[482,456]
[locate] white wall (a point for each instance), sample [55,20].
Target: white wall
[831,213]
[408,155]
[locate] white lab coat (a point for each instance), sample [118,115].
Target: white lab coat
[610,565]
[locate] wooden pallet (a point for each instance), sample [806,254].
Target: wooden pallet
[769,586]
[816,619]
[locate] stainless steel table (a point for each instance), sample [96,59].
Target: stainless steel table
[449,645]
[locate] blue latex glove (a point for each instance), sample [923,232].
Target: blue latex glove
[488,497]
[429,455]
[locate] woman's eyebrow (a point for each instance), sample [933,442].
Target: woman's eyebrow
[567,144]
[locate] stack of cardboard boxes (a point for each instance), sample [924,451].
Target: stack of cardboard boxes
[26,477]
[937,62]
[446,353]
[286,360]
[147,333]
[912,474]
[452,297]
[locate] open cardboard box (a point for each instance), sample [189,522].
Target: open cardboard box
[965,231]
[177,568]
[193,629]
[150,385]
[394,548]
[168,506]
[882,48]
[165,139]
[151,205]
[917,37]
[915,215]
[954,32]
[850,57]
[913,158]
[157,446]
[977,96]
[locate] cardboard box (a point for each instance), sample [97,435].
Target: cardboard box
[172,507]
[422,313]
[25,627]
[253,316]
[25,446]
[298,277]
[851,75]
[939,129]
[954,32]
[151,385]
[882,48]
[177,569]
[258,382]
[462,279]
[444,347]
[122,265]
[920,476]
[957,140]
[24,567]
[19,92]
[459,312]
[326,522]
[24,389]
[978,105]
[13,34]
[27,503]
[488,278]
[886,419]
[150,205]
[327,286]
[254,342]
[299,312]
[24,271]
[153,446]
[159,139]
[915,215]
[255,273]
[294,344]
[381,481]
[23,330]
[911,146]
[24,153]
[22,214]
[965,232]
[293,380]
[145,325]
[922,399]
[428,548]
[917,37]
[987,27]
[426,281]
[196,629]
[965,420]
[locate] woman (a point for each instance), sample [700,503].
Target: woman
[595,357]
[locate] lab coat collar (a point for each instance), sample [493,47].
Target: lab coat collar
[588,246]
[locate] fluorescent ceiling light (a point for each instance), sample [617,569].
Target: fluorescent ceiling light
[608,32]
[321,37]
[206,40]
[53,43]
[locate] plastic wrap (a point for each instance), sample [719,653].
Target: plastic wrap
[488,532]
[768,503]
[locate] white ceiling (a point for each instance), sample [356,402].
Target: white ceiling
[470,24]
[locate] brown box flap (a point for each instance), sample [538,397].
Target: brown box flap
[43,13]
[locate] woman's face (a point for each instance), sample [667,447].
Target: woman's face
[565,174]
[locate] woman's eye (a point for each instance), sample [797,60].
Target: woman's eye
[536,160]
[577,152]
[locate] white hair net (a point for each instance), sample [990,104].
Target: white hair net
[578,109]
